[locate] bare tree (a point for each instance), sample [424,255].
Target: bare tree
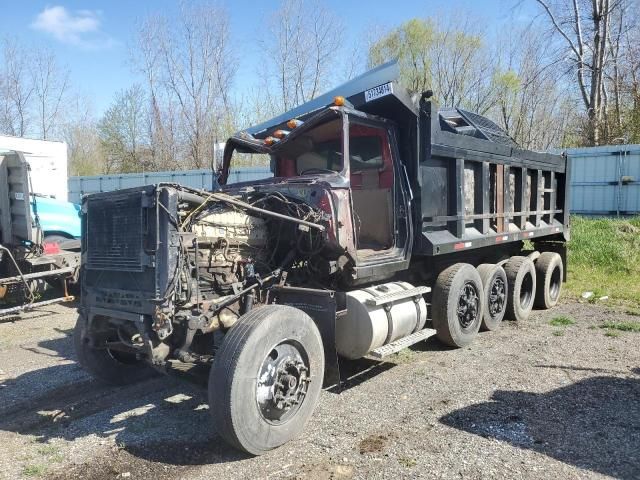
[302,45]
[584,28]
[630,82]
[79,130]
[528,101]
[50,84]
[189,67]
[463,66]
[7,119]
[162,118]
[18,89]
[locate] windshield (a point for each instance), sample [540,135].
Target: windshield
[317,150]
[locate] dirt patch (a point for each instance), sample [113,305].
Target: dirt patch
[373,444]
[626,227]
[118,464]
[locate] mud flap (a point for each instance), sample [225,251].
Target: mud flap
[321,306]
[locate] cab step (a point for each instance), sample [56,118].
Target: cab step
[402,343]
[397,296]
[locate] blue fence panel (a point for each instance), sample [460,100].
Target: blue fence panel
[200,179]
[605,180]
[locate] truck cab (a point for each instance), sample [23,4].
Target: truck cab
[354,158]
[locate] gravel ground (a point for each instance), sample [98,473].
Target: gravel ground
[528,401]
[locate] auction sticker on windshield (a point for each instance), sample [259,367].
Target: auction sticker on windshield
[377,92]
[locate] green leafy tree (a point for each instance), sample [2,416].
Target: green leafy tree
[412,43]
[451,60]
[123,134]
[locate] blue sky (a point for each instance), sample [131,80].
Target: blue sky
[93,38]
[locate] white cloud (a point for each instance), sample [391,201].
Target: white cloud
[80,28]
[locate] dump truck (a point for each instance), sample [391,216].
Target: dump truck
[384,221]
[39,240]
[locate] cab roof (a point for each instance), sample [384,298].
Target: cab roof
[398,99]
[379,92]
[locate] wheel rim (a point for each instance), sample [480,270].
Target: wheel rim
[468,305]
[554,284]
[282,383]
[497,297]
[526,291]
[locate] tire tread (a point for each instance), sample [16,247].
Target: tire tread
[512,268]
[542,265]
[440,301]
[442,288]
[230,352]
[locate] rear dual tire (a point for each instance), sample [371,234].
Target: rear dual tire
[549,275]
[458,304]
[494,282]
[521,284]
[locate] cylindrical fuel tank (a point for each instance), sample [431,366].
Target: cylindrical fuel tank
[366,326]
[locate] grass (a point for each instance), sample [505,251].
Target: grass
[52,453]
[403,356]
[34,470]
[407,462]
[622,326]
[614,328]
[558,333]
[604,258]
[561,321]
[48,450]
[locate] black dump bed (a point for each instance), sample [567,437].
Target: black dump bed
[473,186]
[478,188]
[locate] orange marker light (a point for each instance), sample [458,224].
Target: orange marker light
[338,101]
[280,133]
[293,123]
[269,141]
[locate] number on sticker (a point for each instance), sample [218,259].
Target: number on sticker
[377,92]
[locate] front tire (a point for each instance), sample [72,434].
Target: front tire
[113,368]
[266,378]
[458,303]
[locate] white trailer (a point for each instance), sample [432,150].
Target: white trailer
[48,161]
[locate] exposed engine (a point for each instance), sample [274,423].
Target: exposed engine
[229,239]
[232,250]
[236,242]
[196,261]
